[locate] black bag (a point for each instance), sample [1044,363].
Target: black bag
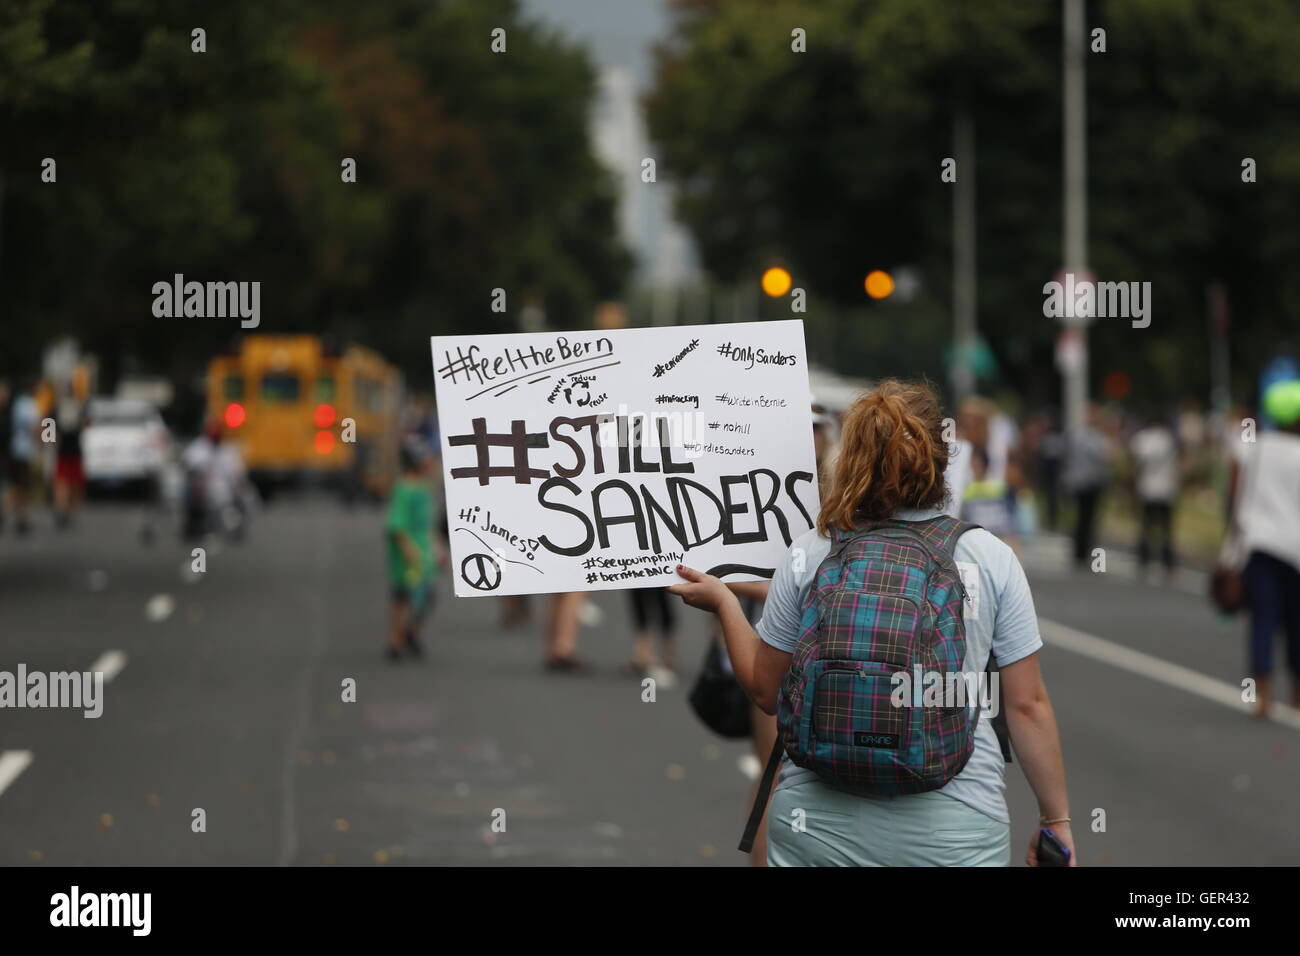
[718,699]
[1228,589]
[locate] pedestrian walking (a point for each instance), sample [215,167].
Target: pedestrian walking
[1087,461]
[216,486]
[986,500]
[652,612]
[515,611]
[412,567]
[1051,464]
[1264,500]
[865,780]
[23,439]
[563,622]
[69,472]
[1156,477]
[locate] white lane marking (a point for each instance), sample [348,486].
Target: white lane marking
[12,763]
[1157,669]
[159,607]
[110,663]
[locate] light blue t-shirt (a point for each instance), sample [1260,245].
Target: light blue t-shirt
[999,615]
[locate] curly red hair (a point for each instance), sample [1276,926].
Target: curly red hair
[892,456]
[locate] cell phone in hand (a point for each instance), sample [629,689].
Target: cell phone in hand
[1051,851]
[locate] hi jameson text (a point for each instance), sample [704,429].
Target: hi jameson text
[685,510]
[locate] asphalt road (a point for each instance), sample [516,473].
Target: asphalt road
[227,697]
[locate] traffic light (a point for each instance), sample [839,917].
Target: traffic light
[879,284]
[776,282]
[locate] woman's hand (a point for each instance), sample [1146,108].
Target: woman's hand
[1062,833]
[701,590]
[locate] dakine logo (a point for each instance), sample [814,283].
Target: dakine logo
[102,909]
[884,741]
[56,689]
[209,300]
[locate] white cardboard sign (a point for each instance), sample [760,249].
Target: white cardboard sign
[588,460]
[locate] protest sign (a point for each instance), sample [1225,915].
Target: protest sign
[587,460]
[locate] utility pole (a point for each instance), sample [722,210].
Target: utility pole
[1074,370]
[1217,308]
[963,255]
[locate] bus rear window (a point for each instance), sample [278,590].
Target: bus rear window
[325,388]
[233,388]
[277,387]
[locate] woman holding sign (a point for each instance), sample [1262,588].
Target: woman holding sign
[877,628]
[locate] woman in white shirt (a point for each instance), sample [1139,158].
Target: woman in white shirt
[1264,498]
[891,468]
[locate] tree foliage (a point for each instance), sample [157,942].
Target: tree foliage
[830,160]
[474,171]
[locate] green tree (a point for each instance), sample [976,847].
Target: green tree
[474,172]
[830,160]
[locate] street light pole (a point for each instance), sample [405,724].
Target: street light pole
[963,254]
[1075,372]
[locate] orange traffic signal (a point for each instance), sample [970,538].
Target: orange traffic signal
[776,282]
[879,284]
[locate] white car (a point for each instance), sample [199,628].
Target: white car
[125,442]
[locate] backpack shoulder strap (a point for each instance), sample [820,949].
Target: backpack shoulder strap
[955,529]
[761,797]
[999,720]
[937,537]
[940,533]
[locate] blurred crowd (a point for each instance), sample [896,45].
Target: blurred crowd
[56,441]
[40,453]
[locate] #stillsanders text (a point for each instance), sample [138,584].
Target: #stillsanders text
[680,512]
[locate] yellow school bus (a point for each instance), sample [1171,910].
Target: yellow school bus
[299,410]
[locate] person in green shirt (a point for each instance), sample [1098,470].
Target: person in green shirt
[412,568]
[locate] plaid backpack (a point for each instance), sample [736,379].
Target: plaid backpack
[886,599]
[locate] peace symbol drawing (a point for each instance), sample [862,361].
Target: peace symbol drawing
[481,572]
